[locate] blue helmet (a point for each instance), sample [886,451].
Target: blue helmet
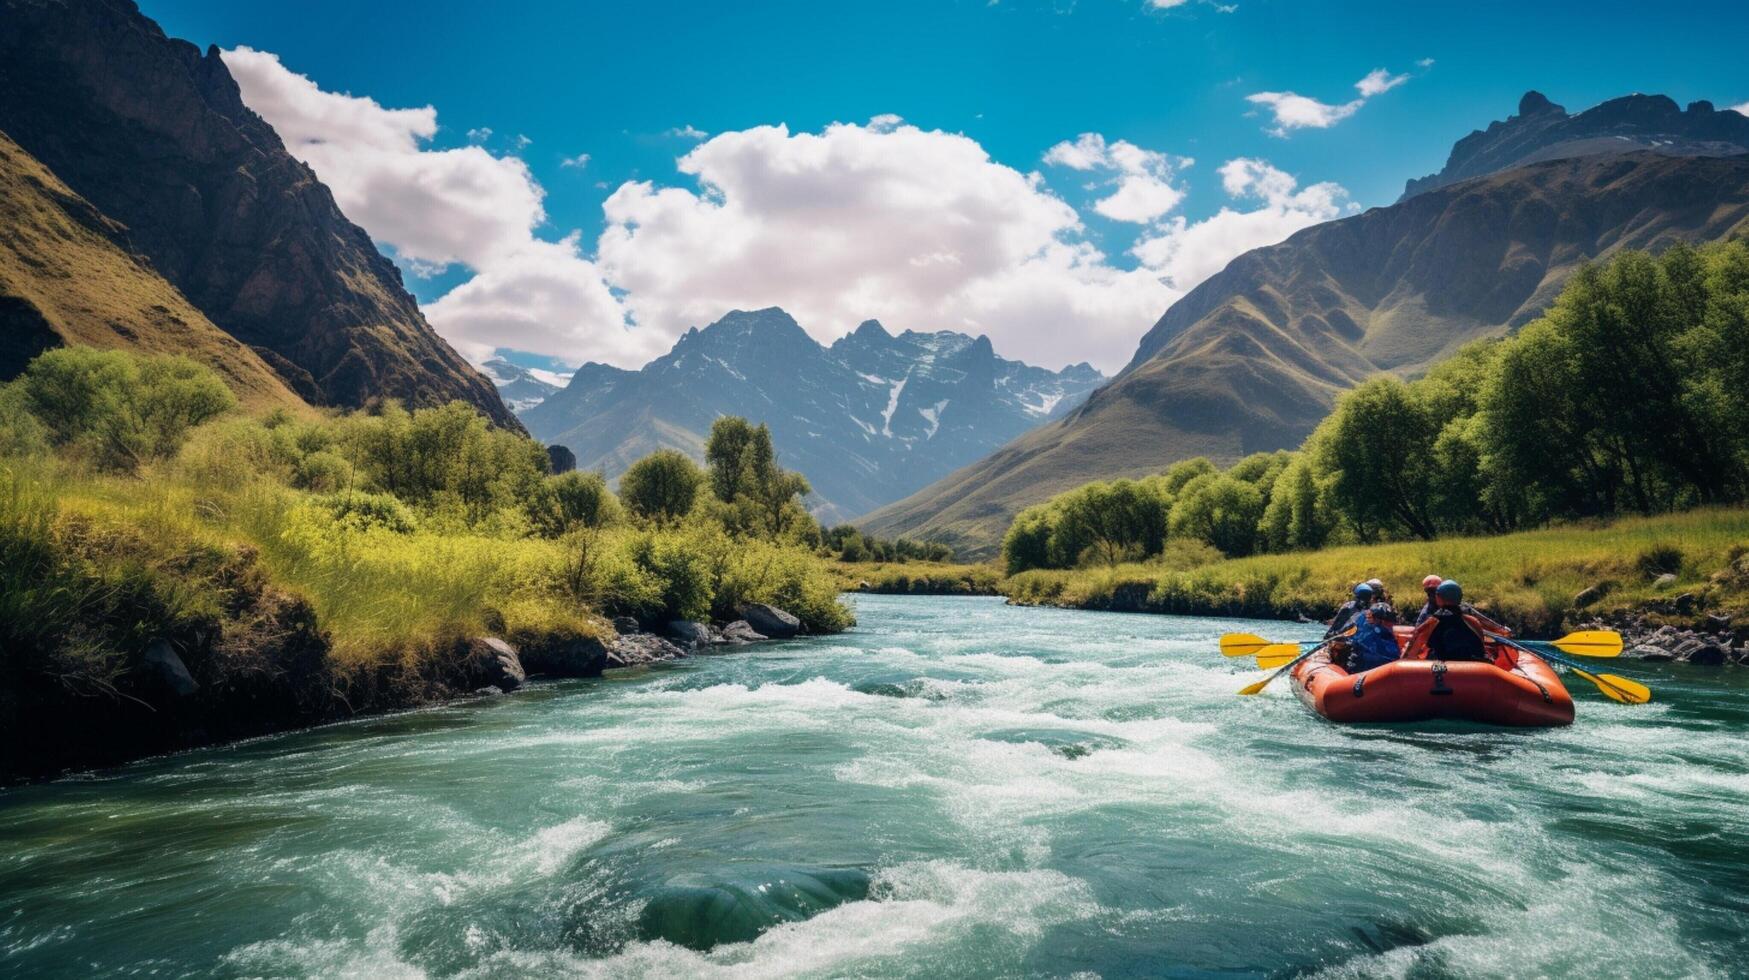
[1363,591]
[1449,592]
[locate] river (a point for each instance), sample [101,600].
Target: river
[956,788]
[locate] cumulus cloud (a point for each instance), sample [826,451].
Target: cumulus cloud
[436,208]
[1744,108]
[1291,111]
[1185,253]
[920,229]
[1142,181]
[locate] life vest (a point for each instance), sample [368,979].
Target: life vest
[1374,643]
[1455,636]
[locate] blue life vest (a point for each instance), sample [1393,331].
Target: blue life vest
[1374,643]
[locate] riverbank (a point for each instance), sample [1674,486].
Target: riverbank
[1676,585]
[918,578]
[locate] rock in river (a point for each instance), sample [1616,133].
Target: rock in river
[739,633]
[490,662]
[690,635]
[770,621]
[638,649]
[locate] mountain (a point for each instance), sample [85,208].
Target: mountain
[1253,358]
[68,276]
[520,387]
[1543,130]
[155,136]
[867,420]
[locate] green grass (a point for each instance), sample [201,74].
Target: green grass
[1530,578]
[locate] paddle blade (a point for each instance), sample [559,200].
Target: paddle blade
[1270,663]
[1278,655]
[1241,644]
[1618,688]
[1258,687]
[1590,643]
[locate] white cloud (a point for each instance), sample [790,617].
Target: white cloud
[920,229]
[1424,63]
[1291,111]
[577,162]
[1186,253]
[1377,82]
[479,134]
[1144,190]
[688,132]
[1744,108]
[439,207]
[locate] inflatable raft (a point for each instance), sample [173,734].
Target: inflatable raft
[1518,689]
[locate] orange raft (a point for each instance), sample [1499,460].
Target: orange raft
[1517,689]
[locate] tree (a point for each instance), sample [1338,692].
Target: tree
[571,500]
[1219,510]
[1376,448]
[1027,545]
[662,486]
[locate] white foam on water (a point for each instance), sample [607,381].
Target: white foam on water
[918,913]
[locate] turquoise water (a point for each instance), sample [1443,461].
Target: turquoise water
[958,788]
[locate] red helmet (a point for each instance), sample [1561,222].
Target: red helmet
[1431,582]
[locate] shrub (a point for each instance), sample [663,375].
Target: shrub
[362,511]
[118,409]
[1661,558]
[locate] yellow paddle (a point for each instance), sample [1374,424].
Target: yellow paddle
[1241,644]
[1590,643]
[1258,687]
[1245,644]
[1614,686]
[1277,654]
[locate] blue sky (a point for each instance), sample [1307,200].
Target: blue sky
[616,82]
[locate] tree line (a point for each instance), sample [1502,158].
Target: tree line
[1629,395]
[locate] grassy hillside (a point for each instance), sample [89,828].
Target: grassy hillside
[66,278]
[1253,359]
[1529,579]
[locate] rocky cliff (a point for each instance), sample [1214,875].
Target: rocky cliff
[1543,131]
[68,275]
[152,132]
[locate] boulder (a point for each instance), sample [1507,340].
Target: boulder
[1687,647]
[625,625]
[1685,602]
[164,667]
[1646,651]
[1588,596]
[640,649]
[770,620]
[1718,622]
[739,633]
[491,662]
[1709,655]
[1664,581]
[690,635]
[569,656]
